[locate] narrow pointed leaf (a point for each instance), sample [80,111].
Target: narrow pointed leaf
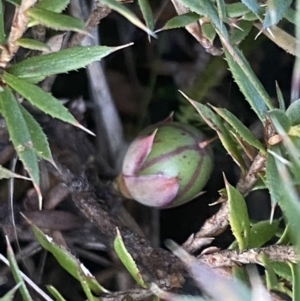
[214,121]
[66,260]
[271,277]
[280,98]
[42,100]
[56,6]
[19,135]
[212,13]
[37,68]
[55,20]
[32,44]
[238,216]
[127,260]
[55,293]
[275,12]
[193,6]
[283,270]
[2,32]
[296,280]
[272,178]
[293,112]
[236,10]
[16,272]
[7,174]
[281,118]
[240,128]
[289,202]
[208,31]
[38,138]
[261,232]
[9,296]
[252,89]
[239,34]
[252,5]
[125,12]
[147,13]
[180,21]
[221,8]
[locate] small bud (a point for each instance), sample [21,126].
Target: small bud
[167,165]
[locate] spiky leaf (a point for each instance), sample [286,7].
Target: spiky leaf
[37,68]
[125,12]
[238,216]
[275,12]
[55,20]
[38,137]
[19,135]
[42,100]
[127,260]
[56,6]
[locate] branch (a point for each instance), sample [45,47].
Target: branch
[230,258]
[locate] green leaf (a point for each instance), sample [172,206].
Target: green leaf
[293,112]
[275,12]
[240,128]
[236,10]
[283,270]
[15,2]
[296,280]
[55,293]
[7,174]
[291,144]
[55,20]
[272,178]
[261,232]
[9,296]
[125,12]
[127,260]
[271,278]
[16,272]
[281,118]
[221,8]
[214,121]
[37,68]
[19,135]
[38,138]
[42,100]
[67,261]
[290,15]
[32,44]
[248,83]
[194,6]
[252,5]
[238,216]
[208,31]
[180,21]
[2,32]
[212,13]
[147,13]
[280,98]
[56,6]
[239,34]
[289,202]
